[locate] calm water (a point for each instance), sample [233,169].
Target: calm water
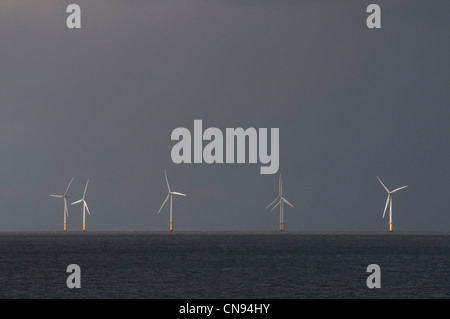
[224,265]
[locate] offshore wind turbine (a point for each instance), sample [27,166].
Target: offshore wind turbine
[169,195]
[85,206]
[280,200]
[389,202]
[64,197]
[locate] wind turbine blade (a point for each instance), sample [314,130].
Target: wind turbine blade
[387,190]
[275,206]
[167,181]
[387,203]
[57,196]
[286,201]
[85,188]
[78,201]
[272,202]
[395,190]
[85,205]
[165,201]
[68,186]
[176,193]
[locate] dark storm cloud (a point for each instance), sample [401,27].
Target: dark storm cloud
[101,102]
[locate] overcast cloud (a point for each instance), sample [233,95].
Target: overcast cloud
[101,102]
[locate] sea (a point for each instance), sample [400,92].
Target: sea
[224,265]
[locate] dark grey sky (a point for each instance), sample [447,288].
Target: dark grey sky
[101,103]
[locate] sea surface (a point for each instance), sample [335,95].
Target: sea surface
[224,265]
